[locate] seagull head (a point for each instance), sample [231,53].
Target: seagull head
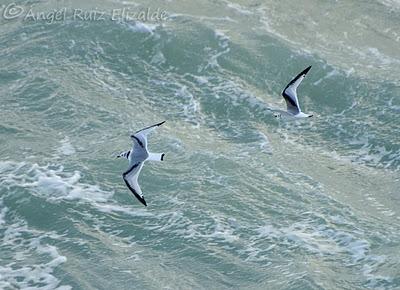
[277,115]
[120,155]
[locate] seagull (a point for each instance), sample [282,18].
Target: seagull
[136,157]
[290,96]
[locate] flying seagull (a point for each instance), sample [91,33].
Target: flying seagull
[137,156]
[290,96]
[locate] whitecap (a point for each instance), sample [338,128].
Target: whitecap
[66,147]
[143,27]
[55,185]
[33,261]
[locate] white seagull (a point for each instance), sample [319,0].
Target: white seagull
[290,96]
[137,156]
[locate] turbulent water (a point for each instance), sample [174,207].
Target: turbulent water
[243,200]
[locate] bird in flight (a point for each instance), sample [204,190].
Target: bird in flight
[290,96]
[136,157]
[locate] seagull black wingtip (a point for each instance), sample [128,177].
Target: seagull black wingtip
[306,70]
[155,125]
[159,124]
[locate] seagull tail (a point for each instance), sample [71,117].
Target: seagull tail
[156,157]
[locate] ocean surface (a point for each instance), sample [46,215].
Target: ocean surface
[243,200]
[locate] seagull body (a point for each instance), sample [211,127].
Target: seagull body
[290,96]
[136,157]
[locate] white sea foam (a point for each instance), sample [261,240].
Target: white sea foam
[319,240]
[143,27]
[343,52]
[3,212]
[201,80]
[396,108]
[66,147]
[201,18]
[331,74]
[34,276]
[130,3]
[113,208]
[217,229]
[221,230]
[265,145]
[158,58]
[391,4]
[191,107]
[239,8]
[33,261]
[55,185]
[223,43]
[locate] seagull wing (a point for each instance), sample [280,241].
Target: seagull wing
[140,137]
[290,92]
[147,130]
[139,155]
[131,179]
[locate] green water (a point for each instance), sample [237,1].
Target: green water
[243,200]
